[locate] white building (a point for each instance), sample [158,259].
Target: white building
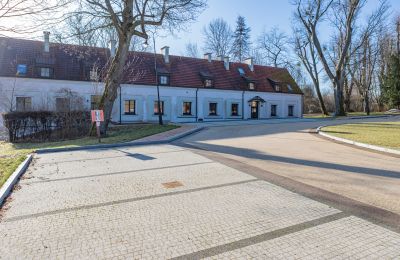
[40,75]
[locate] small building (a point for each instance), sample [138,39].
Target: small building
[37,75]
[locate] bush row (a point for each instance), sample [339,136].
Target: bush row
[41,126]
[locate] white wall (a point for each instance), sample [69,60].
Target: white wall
[44,92]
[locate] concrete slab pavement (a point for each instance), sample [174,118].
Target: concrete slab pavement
[114,204]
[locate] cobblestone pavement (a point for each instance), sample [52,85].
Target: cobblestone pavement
[159,202]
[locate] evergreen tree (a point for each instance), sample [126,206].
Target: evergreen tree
[391,83]
[241,43]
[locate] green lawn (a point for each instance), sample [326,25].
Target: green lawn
[12,154]
[351,114]
[385,134]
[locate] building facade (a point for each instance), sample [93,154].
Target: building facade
[44,76]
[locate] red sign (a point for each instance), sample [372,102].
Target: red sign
[97,116]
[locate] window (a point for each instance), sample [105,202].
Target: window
[289,87]
[208,83]
[129,107]
[235,109]
[62,104]
[94,75]
[187,108]
[277,88]
[252,86]
[164,80]
[290,110]
[22,69]
[156,107]
[212,109]
[45,72]
[24,103]
[273,110]
[95,102]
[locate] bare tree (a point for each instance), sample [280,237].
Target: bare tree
[218,38]
[305,51]
[274,46]
[28,16]
[343,16]
[129,19]
[192,50]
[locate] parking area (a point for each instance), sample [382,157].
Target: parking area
[164,201]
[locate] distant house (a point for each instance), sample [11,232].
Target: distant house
[42,75]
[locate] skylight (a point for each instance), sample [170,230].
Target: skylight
[290,89]
[241,71]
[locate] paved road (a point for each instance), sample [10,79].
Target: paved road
[289,150]
[168,201]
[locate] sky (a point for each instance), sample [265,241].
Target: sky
[260,15]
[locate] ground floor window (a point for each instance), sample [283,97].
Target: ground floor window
[235,109]
[187,108]
[290,110]
[24,103]
[156,107]
[130,107]
[273,110]
[63,104]
[212,109]
[95,102]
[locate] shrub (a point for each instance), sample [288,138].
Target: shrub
[41,126]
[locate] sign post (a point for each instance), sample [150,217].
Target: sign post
[98,117]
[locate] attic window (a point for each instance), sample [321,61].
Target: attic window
[241,71]
[45,72]
[94,75]
[208,83]
[277,88]
[163,80]
[252,86]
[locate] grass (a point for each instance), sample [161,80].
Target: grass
[385,134]
[320,116]
[12,154]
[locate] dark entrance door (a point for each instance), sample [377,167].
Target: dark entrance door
[254,109]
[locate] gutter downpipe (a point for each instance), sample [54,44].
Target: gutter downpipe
[120,104]
[197,113]
[243,104]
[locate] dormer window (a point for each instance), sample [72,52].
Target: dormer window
[94,75]
[163,80]
[208,83]
[290,89]
[277,88]
[252,86]
[45,72]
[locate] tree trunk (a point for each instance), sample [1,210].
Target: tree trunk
[113,80]
[321,100]
[366,104]
[339,105]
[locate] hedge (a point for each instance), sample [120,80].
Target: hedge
[41,126]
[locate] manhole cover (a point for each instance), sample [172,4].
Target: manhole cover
[173,184]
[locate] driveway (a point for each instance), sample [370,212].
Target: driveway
[289,150]
[169,201]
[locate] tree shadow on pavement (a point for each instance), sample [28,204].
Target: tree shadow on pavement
[254,154]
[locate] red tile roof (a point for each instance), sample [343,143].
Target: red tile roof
[73,62]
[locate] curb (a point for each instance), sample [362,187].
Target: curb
[127,144]
[13,179]
[363,145]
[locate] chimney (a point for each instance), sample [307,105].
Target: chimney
[165,53]
[208,56]
[113,47]
[250,62]
[220,57]
[46,36]
[226,62]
